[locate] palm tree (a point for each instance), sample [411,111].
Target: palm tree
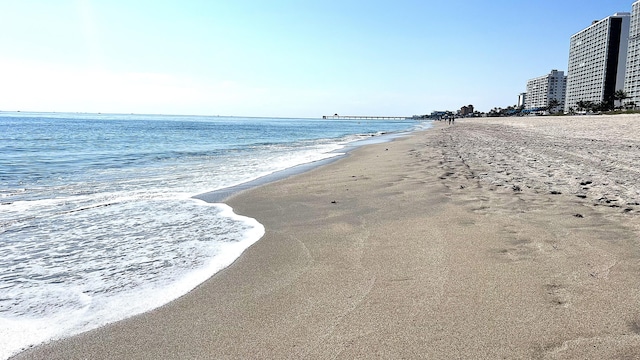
[598,106]
[590,106]
[621,95]
[552,104]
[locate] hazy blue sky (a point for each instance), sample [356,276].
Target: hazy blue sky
[282,58]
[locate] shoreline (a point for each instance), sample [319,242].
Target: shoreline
[423,247]
[330,137]
[220,195]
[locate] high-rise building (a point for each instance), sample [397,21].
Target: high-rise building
[597,61]
[632,75]
[522,97]
[543,89]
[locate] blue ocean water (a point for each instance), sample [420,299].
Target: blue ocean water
[97,216]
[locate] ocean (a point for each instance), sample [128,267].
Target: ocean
[98,220]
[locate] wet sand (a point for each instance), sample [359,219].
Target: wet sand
[489,238]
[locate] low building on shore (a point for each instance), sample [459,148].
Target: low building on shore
[466,110]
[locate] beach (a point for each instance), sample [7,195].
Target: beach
[488,238]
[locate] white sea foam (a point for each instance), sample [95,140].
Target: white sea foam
[96,270]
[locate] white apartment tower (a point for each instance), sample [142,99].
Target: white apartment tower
[521,100]
[597,61]
[542,90]
[632,76]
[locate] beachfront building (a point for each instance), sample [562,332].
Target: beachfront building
[522,97]
[466,110]
[597,61]
[544,90]
[632,75]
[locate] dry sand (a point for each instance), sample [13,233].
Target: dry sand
[486,239]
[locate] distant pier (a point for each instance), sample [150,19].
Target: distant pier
[366,117]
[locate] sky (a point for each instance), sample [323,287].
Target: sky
[282,58]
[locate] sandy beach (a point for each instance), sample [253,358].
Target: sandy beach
[515,238]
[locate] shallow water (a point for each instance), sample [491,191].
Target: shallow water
[97,211]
